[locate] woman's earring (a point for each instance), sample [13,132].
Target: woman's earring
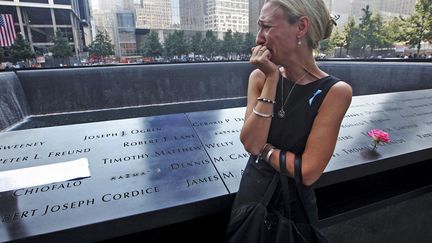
[299,42]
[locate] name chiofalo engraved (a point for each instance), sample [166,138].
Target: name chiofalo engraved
[47,188]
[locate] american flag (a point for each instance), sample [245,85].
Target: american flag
[7,30]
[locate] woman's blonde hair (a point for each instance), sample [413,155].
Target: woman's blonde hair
[321,23]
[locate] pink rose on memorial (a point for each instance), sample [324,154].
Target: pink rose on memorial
[378,137]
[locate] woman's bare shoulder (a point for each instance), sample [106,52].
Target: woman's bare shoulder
[342,90]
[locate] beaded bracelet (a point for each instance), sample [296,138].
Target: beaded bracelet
[266,100]
[261,114]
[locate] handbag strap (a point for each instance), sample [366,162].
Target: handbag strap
[285,190]
[284,183]
[299,185]
[271,189]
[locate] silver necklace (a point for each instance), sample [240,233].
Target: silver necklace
[281,112]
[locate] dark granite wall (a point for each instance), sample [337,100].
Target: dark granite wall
[80,89]
[374,77]
[95,88]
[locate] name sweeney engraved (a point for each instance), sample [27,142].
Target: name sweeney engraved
[20,146]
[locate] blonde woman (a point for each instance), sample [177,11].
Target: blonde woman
[293,106]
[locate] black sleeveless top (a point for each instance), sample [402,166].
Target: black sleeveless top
[290,134]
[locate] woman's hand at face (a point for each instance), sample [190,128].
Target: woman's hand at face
[261,59]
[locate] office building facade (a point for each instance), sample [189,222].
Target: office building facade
[216,15]
[38,20]
[117,19]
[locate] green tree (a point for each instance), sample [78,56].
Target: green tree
[365,28]
[195,43]
[248,43]
[151,46]
[349,32]
[176,44]
[394,29]
[237,43]
[337,39]
[21,50]
[101,47]
[379,39]
[61,46]
[228,43]
[418,26]
[209,44]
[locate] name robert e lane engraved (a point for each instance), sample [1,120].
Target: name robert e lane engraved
[120,133]
[152,141]
[151,155]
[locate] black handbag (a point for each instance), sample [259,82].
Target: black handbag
[260,223]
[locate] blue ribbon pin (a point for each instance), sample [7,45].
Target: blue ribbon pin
[314,95]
